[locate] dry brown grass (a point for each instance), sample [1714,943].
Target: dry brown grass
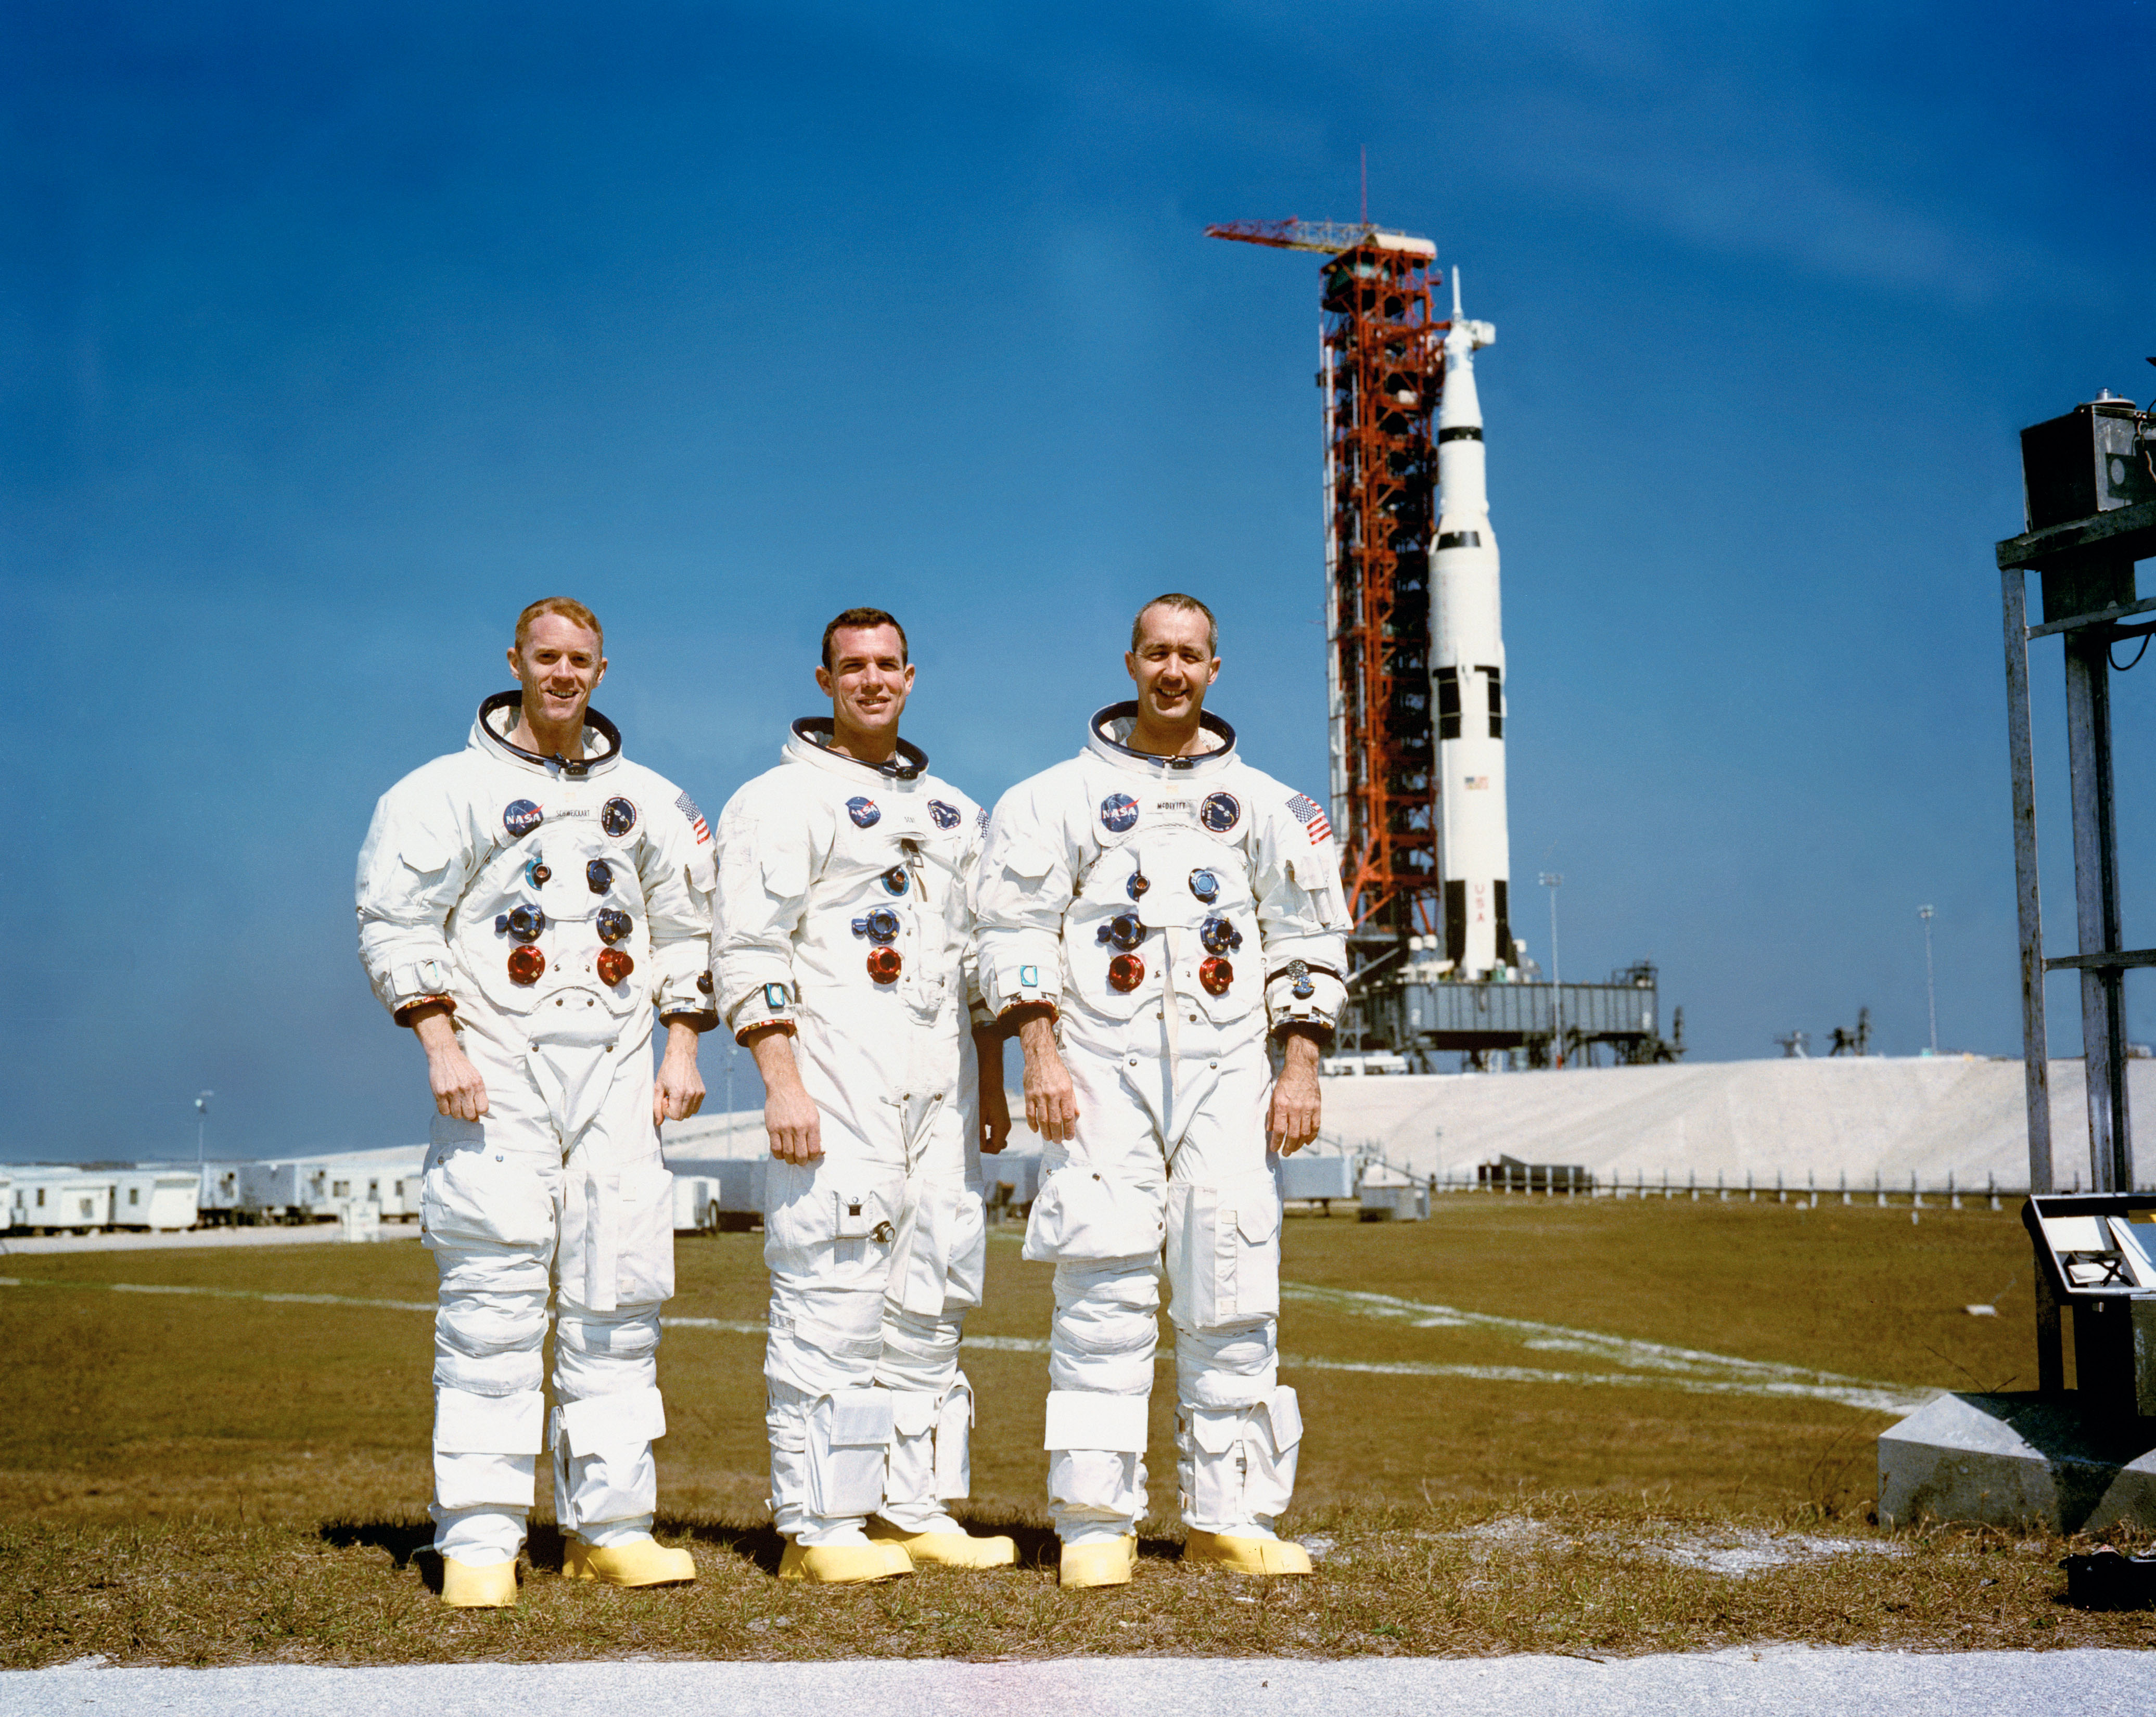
[208,1479]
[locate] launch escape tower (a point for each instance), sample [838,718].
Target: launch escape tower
[1415,666]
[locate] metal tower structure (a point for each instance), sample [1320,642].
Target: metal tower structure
[1414,667]
[1381,371]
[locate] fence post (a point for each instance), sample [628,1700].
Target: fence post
[1845,1185]
[1953,1198]
[1991,1187]
[1878,1190]
[1781,1192]
[1916,1192]
[1811,1182]
[1751,1191]
[1721,1191]
[1691,1184]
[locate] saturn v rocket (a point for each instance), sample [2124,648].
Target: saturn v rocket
[1467,665]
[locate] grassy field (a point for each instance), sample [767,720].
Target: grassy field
[1534,1424]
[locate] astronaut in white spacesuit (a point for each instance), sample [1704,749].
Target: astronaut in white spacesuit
[528,905]
[1149,913]
[841,950]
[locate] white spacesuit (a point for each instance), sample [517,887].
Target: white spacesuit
[556,906]
[843,914]
[1169,910]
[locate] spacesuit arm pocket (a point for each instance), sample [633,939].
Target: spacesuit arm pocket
[1022,888]
[765,862]
[644,1254]
[410,874]
[1081,1217]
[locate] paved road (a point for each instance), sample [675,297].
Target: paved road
[1796,1680]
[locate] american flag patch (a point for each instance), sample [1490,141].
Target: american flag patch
[1307,813]
[687,806]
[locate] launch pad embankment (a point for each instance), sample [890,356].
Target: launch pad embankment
[1866,1121]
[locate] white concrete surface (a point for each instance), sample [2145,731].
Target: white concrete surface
[1825,1117]
[2001,1460]
[310,1234]
[1796,1680]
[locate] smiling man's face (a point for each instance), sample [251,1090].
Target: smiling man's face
[558,665]
[869,681]
[1172,665]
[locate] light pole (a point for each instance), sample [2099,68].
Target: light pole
[1931,990]
[201,1122]
[1553,881]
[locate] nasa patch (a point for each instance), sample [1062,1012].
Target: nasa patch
[617,816]
[519,816]
[946,816]
[1119,813]
[864,812]
[1220,812]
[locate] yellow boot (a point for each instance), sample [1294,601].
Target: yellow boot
[946,1550]
[843,1564]
[492,1587]
[1246,1555]
[641,1561]
[1109,1562]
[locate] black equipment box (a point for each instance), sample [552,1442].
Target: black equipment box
[2094,459]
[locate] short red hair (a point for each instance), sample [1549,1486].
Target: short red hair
[569,608]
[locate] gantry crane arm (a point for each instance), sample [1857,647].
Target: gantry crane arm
[1329,237]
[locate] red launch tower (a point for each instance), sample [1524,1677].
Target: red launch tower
[1383,369]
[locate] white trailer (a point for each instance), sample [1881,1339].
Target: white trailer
[62,1199]
[718,1193]
[1011,1181]
[1316,1178]
[156,1196]
[270,1191]
[331,1187]
[217,1199]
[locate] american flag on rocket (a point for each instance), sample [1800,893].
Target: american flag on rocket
[1307,813]
[687,806]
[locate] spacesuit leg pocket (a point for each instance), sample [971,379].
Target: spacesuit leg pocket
[1224,1251]
[966,1271]
[849,1435]
[1082,1214]
[643,1251]
[1269,1484]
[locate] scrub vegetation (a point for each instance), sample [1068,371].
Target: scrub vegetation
[1534,1425]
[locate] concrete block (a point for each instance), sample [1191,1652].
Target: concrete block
[2015,1460]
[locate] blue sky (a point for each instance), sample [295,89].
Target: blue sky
[329,337]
